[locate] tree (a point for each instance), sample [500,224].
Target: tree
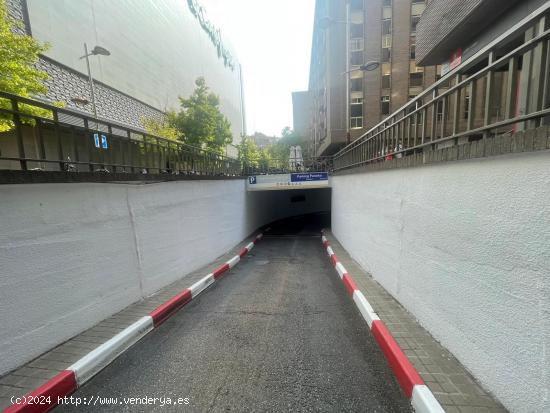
[163,128]
[249,155]
[265,159]
[18,74]
[200,122]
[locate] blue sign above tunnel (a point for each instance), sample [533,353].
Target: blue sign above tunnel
[308,177]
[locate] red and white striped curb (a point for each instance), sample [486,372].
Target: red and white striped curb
[422,399]
[84,369]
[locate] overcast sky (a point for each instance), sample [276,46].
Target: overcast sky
[273,42]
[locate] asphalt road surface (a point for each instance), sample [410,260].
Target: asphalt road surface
[278,333]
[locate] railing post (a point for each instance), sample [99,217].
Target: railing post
[435,106]
[130,151]
[539,75]
[41,146]
[59,142]
[88,146]
[111,148]
[19,135]
[488,101]
[456,107]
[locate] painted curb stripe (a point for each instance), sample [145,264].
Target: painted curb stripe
[243,252]
[162,312]
[424,401]
[218,272]
[234,261]
[349,283]
[404,371]
[365,308]
[340,269]
[97,359]
[201,285]
[59,386]
[88,366]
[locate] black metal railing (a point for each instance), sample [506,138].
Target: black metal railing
[288,165]
[502,89]
[46,137]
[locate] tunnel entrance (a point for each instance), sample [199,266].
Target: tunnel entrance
[308,225]
[292,209]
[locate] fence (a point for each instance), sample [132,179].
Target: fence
[45,137]
[288,165]
[502,89]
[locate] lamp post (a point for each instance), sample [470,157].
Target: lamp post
[97,50]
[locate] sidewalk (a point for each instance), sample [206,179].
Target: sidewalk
[452,385]
[38,371]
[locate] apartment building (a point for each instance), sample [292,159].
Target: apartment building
[362,66]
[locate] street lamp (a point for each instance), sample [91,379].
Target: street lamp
[97,50]
[367,67]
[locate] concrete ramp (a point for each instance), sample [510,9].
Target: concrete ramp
[283,182]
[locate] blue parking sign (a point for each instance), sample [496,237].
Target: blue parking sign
[104,144]
[252,180]
[96,140]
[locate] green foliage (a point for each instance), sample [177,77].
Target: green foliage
[200,122]
[249,154]
[162,128]
[281,150]
[18,75]
[265,158]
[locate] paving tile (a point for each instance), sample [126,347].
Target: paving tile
[33,372]
[450,382]
[43,368]
[5,402]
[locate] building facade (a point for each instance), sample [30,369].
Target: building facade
[158,49]
[301,117]
[346,36]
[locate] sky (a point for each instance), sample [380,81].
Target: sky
[272,39]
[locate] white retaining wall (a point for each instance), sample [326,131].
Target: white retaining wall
[465,247]
[74,254]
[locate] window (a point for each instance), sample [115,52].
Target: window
[385,105]
[414,23]
[356,30]
[467,107]
[413,48]
[413,68]
[356,4]
[357,58]
[386,55]
[386,3]
[386,13]
[416,79]
[386,42]
[417,8]
[386,81]
[386,26]
[439,111]
[356,44]
[356,113]
[357,85]
[356,123]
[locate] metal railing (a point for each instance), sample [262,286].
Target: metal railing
[502,89]
[46,137]
[288,165]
